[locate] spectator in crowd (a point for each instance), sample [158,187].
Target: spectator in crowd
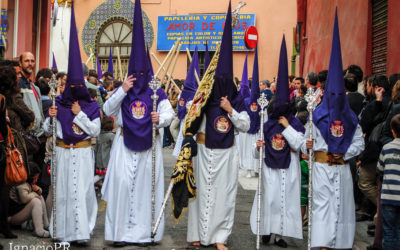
[21,119]
[4,190]
[44,73]
[265,88]
[311,80]
[108,87]
[372,115]
[353,96]
[91,85]
[26,202]
[298,81]
[30,92]
[103,147]
[44,87]
[357,71]
[62,80]
[322,75]
[387,135]
[93,73]
[389,168]
[393,78]
[117,84]
[55,71]
[107,75]
[273,87]
[292,87]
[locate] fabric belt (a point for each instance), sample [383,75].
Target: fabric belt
[82,144]
[325,157]
[122,132]
[201,138]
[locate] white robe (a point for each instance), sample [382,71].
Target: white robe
[127,184]
[211,214]
[247,160]
[280,201]
[333,209]
[76,202]
[179,140]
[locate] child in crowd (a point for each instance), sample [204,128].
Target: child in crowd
[26,202]
[389,168]
[103,147]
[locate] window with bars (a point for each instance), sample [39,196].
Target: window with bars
[379,36]
[117,35]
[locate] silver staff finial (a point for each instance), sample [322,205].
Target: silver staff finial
[262,101]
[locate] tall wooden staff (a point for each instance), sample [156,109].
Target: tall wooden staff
[311,98]
[263,102]
[53,85]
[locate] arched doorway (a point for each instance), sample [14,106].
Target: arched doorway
[117,35]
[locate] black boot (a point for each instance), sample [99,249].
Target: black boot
[4,226]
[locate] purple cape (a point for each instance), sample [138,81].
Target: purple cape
[75,90]
[277,150]
[190,86]
[219,128]
[334,118]
[137,105]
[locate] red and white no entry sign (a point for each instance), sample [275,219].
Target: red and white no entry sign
[251,37]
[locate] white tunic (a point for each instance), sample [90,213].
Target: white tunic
[179,140]
[76,202]
[333,210]
[280,201]
[127,184]
[247,160]
[211,214]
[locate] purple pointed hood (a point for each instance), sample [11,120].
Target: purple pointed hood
[75,90]
[99,71]
[54,66]
[244,85]
[190,86]
[219,128]
[251,102]
[110,63]
[137,104]
[277,150]
[334,117]
[206,58]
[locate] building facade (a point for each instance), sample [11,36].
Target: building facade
[368,32]
[42,27]
[27,29]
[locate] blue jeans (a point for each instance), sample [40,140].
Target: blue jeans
[391,227]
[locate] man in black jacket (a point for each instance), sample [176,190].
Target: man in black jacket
[355,98]
[371,116]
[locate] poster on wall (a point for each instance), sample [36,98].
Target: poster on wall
[3,27]
[199,30]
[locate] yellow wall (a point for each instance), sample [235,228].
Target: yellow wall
[273,19]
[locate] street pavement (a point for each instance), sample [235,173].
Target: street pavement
[175,233]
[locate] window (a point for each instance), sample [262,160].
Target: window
[379,36]
[116,34]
